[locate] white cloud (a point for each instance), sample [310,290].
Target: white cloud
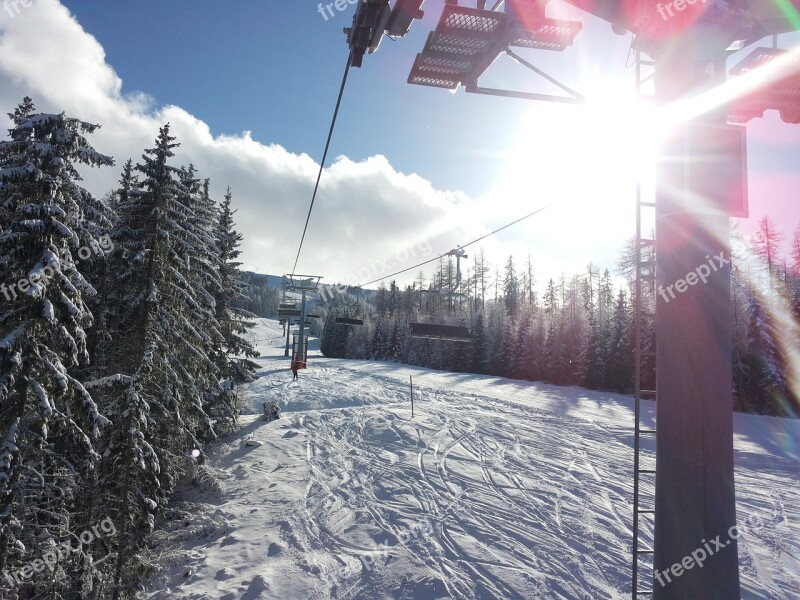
[364,211]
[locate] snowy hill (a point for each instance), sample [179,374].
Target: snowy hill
[495,489]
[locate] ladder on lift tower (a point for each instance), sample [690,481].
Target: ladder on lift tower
[644,383]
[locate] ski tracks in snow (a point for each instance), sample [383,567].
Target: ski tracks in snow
[495,490]
[478,494]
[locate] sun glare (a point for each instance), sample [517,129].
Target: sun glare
[585,160]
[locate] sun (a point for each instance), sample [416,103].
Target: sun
[586,161]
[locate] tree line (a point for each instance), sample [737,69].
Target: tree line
[119,350]
[578,330]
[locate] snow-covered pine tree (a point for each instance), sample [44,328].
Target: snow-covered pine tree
[620,367]
[202,265]
[765,389]
[129,487]
[794,280]
[48,420]
[234,322]
[520,367]
[534,343]
[495,330]
[478,346]
[511,289]
[550,347]
[576,333]
[161,371]
[379,342]
[594,378]
[506,358]
[334,337]
[766,245]
[396,340]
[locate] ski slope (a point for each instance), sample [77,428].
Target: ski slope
[495,489]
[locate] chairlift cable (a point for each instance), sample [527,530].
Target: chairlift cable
[322,162]
[403,271]
[483,237]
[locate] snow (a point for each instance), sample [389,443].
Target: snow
[495,489]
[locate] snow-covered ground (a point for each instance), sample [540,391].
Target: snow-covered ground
[495,489]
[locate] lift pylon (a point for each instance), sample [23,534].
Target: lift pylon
[302,284]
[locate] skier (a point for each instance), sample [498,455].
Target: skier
[294,368]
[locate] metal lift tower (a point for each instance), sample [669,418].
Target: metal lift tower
[302,284]
[701,183]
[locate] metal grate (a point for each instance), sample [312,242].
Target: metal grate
[457,44]
[424,73]
[465,19]
[443,65]
[782,95]
[466,42]
[757,58]
[548,34]
[447,84]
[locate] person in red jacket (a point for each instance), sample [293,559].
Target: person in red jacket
[294,368]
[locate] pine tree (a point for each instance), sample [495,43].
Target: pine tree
[48,419]
[619,372]
[233,321]
[159,379]
[231,356]
[397,342]
[520,367]
[794,285]
[594,377]
[479,353]
[511,289]
[765,389]
[766,244]
[379,342]
[200,266]
[335,336]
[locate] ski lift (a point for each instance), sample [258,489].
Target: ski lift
[344,321]
[450,333]
[347,321]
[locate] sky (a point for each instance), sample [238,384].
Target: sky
[249,88]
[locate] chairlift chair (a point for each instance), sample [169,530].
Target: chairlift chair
[431,331]
[345,321]
[350,322]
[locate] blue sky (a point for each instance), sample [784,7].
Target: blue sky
[419,167]
[274,68]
